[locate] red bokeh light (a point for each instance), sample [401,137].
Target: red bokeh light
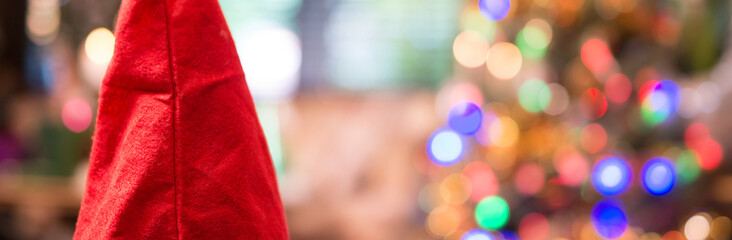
[571,166]
[530,179]
[534,226]
[593,104]
[618,88]
[596,56]
[482,180]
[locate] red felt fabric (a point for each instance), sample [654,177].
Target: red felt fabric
[178,151]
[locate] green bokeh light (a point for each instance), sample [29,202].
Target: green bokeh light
[687,166]
[532,42]
[492,213]
[534,95]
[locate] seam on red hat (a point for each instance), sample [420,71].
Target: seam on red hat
[175,119]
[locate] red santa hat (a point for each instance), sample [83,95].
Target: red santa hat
[178,151]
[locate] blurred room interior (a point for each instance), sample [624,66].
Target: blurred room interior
[419,119]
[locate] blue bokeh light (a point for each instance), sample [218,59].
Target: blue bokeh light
[667,93]
[609,219]
[477,234]
[465,118]
[658,176]
[611,176]
[494,10]
[508,235]
[445,147]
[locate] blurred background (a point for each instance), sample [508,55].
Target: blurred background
[419,119]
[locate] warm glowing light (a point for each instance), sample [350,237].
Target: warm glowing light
[593,138]
[477,234]
[593,104]
[571,166]
[618,88]
[504,60]
[697,227]
[470,49]
[530,179]
[465,118]
[494,10]
[534,226]
[99,46]
[611,176]
[658,176]
[271,60]
[596,56]
[695,133]
[609,219]
[445,147]
[710,153]
[721,228]
[455,189]
[443,220]
[534,95]
[43,20]
[559,99]
[76,115]
[504,132]
[482,180]
[492,213]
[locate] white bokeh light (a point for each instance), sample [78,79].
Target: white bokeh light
[271,60]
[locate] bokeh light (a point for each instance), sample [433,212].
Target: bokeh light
[618,88]
[609,219]
[455,189]
[596,56]
[593,104]
[659,100]
[477,234]
[482,136]
[534,38]
[494,10]
[472,19]
[658,176]
[593,138]
[721,228]
[504,132]
[710,153]
[76,115]
[504,60]
[99,46]
[443,220]
[559,99]
[483,182]
[687,166]
[492,213]
[445,147]
[697,227]
[571,166]
[534,95]
[611,176]
[465,118]
[530,179]
[534,226]
[270,57]
[470,49]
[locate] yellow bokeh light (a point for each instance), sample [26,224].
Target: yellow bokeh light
[455,189]
[503,133]
[443,221]
[470,49]
[504,60]
[99,46]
